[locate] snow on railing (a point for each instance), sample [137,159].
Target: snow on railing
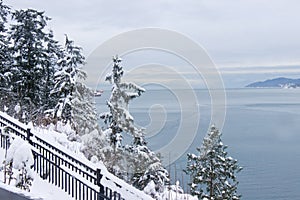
[80,179]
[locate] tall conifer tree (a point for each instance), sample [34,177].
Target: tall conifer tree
[212,171]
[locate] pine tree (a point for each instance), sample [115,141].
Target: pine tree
[145,166]
[119,120]
[65,80]
[84,112]
[30,62]
[54,53]
[213,172]
[134,162]
[74,100]
[4,53]
[5,57]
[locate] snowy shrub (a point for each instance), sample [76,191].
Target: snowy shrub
[151,190]
[20,157]
[64,128]
[96,147]
[172,192]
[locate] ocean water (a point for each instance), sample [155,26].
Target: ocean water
[262,130]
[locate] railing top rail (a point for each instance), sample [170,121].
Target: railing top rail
[71,158]
[23,128]
[18,125]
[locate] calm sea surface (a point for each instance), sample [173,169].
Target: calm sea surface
[262,130]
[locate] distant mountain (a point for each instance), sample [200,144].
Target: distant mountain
[276,83]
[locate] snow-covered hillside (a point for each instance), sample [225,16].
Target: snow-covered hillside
[43,189]
[71,151]
[276,83]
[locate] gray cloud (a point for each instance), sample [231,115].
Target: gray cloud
[235,33]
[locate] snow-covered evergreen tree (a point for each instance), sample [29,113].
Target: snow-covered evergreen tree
[54,52]
[4,53]
[29,46]
[74,100]
[5,57]
[4,11]
[213,172]
[145,166]
[134,162]
[118,119]
[65,80]
[84,112]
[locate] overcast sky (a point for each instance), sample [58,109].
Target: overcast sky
[249,36]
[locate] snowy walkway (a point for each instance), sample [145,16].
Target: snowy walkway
[9,195]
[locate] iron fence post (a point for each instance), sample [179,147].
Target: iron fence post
[29,134]
[98,182]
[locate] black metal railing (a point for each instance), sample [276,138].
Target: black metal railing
[79,180]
